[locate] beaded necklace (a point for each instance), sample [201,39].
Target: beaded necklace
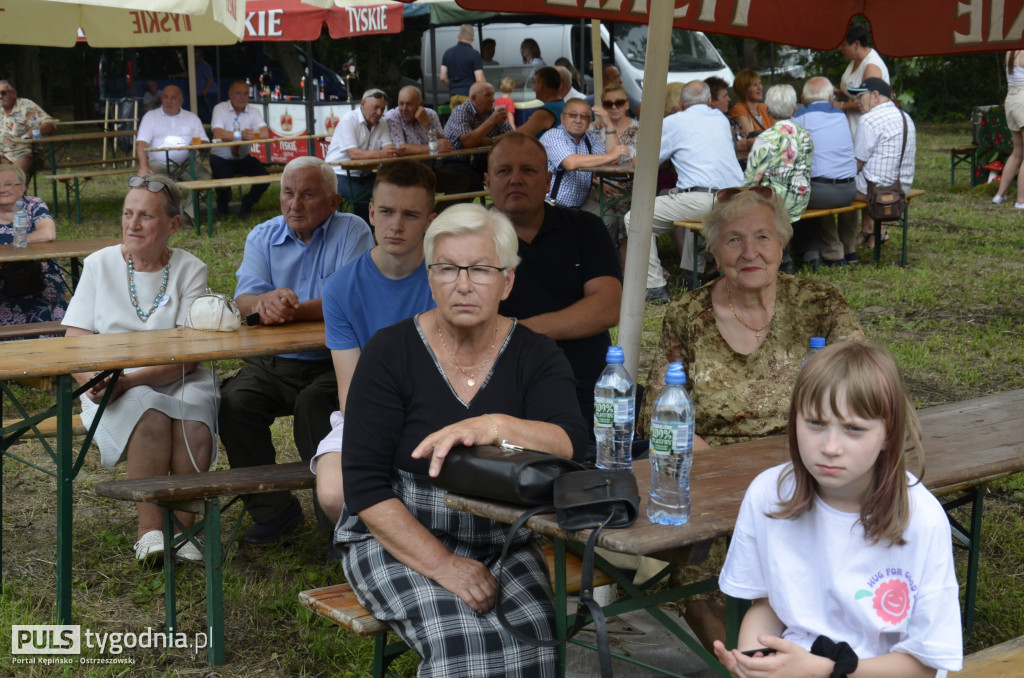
[144,315]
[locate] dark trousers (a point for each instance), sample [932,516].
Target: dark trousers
[264,389]
[249,166]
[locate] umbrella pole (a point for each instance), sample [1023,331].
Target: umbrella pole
[645,184]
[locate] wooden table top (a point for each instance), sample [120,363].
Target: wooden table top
[620,169]
[82,136]
[966,444]
[373,163]
[37,251]
[66,355]
[227,144]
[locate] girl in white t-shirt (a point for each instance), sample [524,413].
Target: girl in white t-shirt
[846,556]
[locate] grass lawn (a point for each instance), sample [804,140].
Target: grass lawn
[954,317]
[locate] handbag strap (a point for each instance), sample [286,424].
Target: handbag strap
[586,596]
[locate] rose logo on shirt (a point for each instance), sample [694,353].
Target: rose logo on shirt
[892,601]
[892,595]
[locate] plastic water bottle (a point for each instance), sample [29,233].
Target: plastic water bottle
[432,140]
[20,225]
[237,130]
[321,93]
[614,417]
[302,87]
[817,343]
[252,92]
[36,132]
[671,451]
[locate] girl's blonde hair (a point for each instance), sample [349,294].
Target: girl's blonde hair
[870,379]
[507,84]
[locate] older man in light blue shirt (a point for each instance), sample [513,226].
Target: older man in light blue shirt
[699,143]
[287,260]
[833,170]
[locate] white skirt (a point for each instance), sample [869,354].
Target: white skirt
[194,399]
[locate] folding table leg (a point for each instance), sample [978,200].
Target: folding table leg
[170,591]
[214,581]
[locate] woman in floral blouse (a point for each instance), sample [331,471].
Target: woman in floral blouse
[781,157]
[39,296]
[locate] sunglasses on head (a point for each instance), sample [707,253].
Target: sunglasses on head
[727,194]
[153,186]
[614,103]
[376,95]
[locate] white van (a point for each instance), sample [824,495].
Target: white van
[692,56]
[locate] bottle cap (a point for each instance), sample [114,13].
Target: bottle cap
[817,342]
[675,374]
[615,356]
[19,204]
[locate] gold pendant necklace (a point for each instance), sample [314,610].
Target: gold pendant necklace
[756,331]
[470,376]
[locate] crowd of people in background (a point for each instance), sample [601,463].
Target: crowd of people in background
[478,325]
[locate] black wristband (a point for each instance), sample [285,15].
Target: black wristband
[841,653]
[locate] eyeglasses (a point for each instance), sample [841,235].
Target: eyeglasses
[727,194]
[153,186]
[5,92]
[481,274]
[614,103]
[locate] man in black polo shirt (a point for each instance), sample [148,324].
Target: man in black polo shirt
[569,283]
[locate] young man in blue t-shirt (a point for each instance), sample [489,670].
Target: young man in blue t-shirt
[385,285]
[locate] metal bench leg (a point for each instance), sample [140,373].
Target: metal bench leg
[78,203]
[695,283]
[214,581]
[170,590]
[905,221]
[973,555]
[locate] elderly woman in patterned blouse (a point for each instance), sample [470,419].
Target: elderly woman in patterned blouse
[743,336]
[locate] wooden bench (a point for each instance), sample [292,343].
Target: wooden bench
[79,178]
[339,605]
[999,661]
[210,185]
[448,198]
[48,427]
[201,493]
[695,227]
[963,155]
[31,330]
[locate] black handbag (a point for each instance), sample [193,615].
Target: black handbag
[887,203]
[513,476]
[590,499]
[21,279]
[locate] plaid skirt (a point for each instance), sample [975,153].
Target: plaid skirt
[451,639]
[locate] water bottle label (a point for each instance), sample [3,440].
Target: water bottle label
[604,411]
[669,437]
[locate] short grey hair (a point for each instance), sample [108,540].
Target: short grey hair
[695,92]
[818,88]
[781,101]
[327,174]
[724,213]
[469,218]
[14,169]
[171,197]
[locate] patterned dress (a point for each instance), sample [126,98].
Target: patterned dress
[781,158]
[741,397]
[47,305]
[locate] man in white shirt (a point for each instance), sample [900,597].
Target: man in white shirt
[237,161]
[361,135]
[567,91]
[699,142]
[170,126]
